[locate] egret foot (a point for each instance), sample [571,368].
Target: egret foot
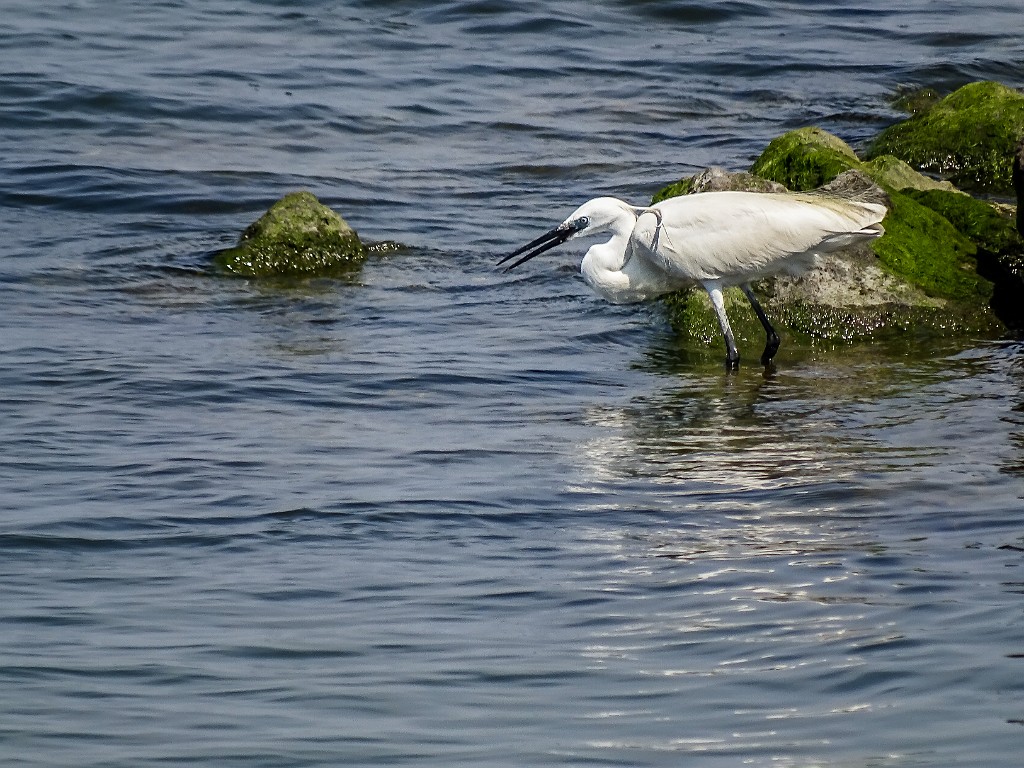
[770,349]
[772,344]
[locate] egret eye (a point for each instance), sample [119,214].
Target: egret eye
[582,222]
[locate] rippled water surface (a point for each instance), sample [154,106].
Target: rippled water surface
[438,515]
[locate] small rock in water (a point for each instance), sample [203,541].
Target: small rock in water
[298,236]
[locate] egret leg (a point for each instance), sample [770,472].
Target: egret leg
[772,345]
[732,355]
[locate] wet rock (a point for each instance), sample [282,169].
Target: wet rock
[855,185]
[923,248]
[920,245]
[968,137]
[989,227]
[298,236]
[848,297]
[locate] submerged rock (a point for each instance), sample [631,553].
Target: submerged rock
[297,236]
[968,137]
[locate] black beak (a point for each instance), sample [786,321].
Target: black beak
[545,242]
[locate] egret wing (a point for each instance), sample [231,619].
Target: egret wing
[735,237]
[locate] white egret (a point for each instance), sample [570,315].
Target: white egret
[711,239]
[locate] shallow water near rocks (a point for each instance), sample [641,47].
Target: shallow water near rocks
[438,515]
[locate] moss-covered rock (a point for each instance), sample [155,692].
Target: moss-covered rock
[923,248]
[919,246]
[297,236]
[849,297]
[1000,247]
[805,159]
[921,276]
[809,322]
[977,220]
[968,137]
[676,188]
[893,173]
[808,158]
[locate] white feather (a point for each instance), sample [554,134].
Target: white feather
[714,239]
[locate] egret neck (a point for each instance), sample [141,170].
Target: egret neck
[610,269]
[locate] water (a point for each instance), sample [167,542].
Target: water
[437,515]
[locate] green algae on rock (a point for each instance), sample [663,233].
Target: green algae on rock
[298,236]
[849,297]
[1000,247]
[692,317]
[920,245]
[920,277]
[893,173]
[979,221]
[805,159]
[925,249]
[968,137]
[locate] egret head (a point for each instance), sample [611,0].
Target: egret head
[601,213]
